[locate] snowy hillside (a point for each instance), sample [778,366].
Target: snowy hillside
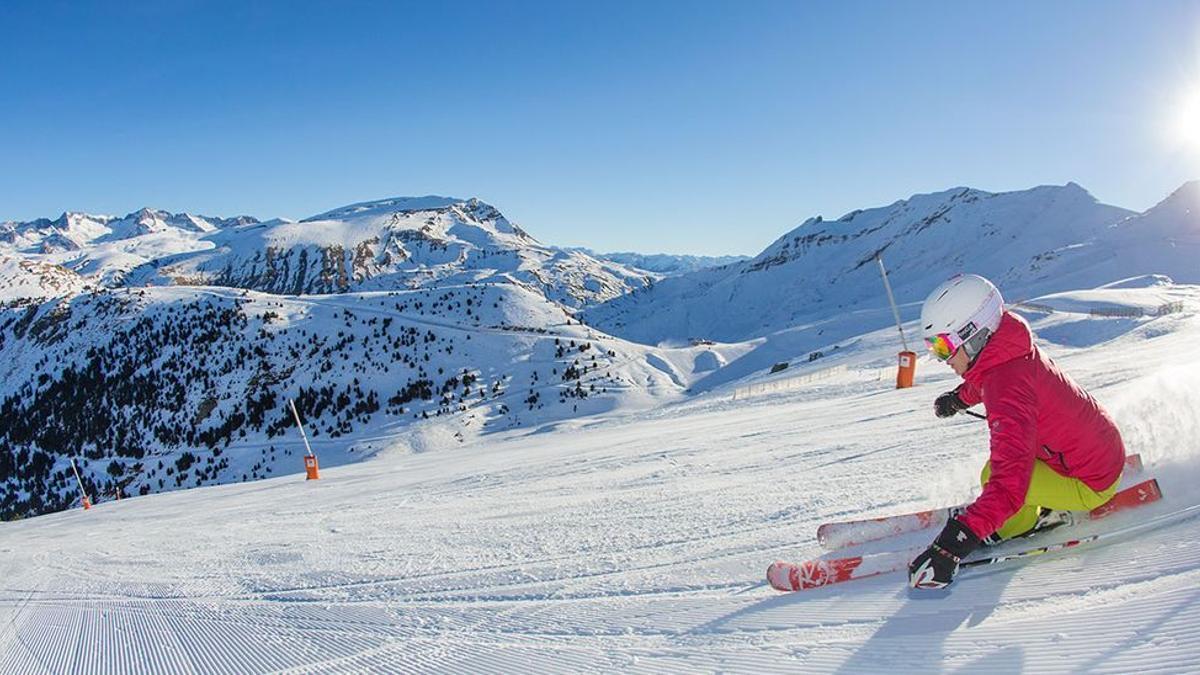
[393,244]
[139,345]
[161,348]
[825,267]
[22,278]
[636,541]
[160,388]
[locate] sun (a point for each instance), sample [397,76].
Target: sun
[1185,123]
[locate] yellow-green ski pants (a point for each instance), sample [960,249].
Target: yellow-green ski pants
[1052,490]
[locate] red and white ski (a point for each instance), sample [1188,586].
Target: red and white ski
[833,536]
[785,576]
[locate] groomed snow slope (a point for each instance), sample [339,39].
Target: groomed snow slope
[631,543]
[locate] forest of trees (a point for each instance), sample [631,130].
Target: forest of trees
[150,395]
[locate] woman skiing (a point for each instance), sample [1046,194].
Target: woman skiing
[1053,447]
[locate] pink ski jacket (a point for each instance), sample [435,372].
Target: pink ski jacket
[1035,411]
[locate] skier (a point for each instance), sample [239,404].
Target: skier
[1053,447]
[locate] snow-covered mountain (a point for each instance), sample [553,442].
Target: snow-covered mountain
[1163,240]
[160,348]
[159,388]
[77,231]
[70,232]
[825,267]
[664,264]
[102,249]
[402,243]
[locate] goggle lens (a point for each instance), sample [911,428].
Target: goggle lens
[942,346]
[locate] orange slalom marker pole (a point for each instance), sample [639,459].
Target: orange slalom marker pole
[310,460]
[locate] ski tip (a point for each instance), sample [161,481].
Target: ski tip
[778,576]
[1146,491]
[1153,489]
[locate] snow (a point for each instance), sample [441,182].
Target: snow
[635,540]
[21,279]
[388,206]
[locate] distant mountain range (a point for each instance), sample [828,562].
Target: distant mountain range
[664,264]
[401,243]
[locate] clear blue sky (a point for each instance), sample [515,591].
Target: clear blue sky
[701,127]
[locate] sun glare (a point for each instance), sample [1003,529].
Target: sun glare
[1185,127]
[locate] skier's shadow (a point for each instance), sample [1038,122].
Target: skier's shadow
[917,630]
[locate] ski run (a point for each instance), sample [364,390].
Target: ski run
[635,541]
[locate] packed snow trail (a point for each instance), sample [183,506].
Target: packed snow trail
[629,543]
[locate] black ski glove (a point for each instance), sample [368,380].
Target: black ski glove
[936,567]
[948,404]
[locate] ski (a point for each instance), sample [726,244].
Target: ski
[785,576]
[833,536]
[1149,492]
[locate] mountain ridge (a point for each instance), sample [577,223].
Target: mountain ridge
[398,243]
[827,266]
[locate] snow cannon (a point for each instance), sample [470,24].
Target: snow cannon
[908,360]
[310,460]
[310,467]
[907,371]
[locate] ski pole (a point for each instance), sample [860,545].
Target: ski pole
[1050,548]
[1072,543]
[975,414]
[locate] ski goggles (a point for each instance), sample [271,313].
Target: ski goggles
[943,345]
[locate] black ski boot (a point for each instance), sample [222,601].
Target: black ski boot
[1047,519]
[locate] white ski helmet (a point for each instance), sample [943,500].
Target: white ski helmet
[962,312]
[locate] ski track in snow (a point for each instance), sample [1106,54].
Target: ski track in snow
[634,543]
